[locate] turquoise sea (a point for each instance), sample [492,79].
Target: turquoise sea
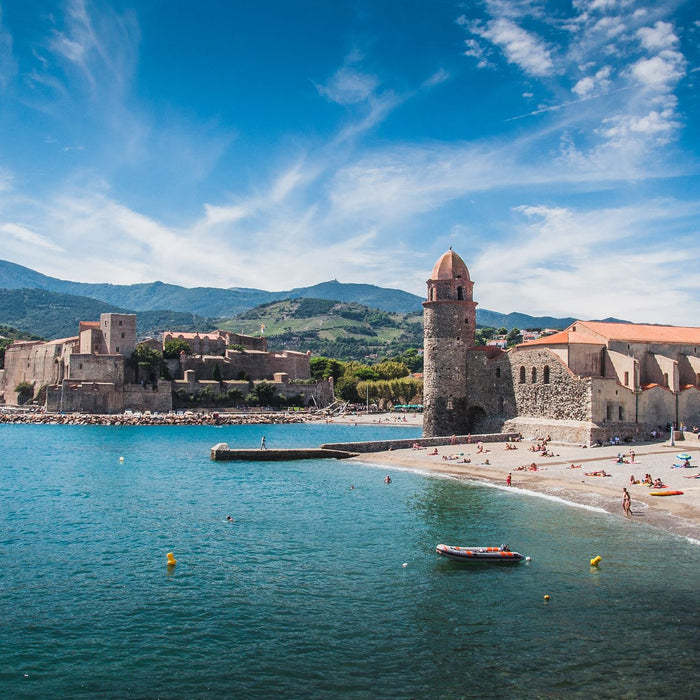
[326,585]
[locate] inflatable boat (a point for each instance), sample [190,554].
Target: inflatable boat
[479,554]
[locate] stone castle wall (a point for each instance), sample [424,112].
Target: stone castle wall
[254,364]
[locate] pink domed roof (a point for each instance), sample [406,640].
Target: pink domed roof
[450,266]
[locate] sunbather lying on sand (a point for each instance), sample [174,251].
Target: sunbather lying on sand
[600,472]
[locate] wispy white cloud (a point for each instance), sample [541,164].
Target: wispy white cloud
[520,47]
[20,237]
[588,255]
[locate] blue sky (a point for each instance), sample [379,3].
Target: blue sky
[554,145]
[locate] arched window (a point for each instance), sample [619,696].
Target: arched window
[545,374]
[522,375]
[534,375]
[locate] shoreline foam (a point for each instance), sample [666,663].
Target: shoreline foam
[554,478]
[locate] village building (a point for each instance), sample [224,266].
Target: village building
[594,381]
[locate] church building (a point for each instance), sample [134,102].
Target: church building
[590,382]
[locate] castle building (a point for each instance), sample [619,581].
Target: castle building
[94,372]
[590,382]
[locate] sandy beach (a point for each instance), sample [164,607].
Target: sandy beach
[555,475]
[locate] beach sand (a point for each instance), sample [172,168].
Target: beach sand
[556,477]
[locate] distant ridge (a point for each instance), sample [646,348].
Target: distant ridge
[205,303]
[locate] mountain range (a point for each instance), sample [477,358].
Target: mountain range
[52,307]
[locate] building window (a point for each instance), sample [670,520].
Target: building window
[122,335]
[460,294]
[545,374]
[665,379]
[80,365]
[609,412]
[466,321]
[117,348]
[522,375]
[120,323]
[534,375]
[498,371]
[620,413]
[697,379]
[627,378]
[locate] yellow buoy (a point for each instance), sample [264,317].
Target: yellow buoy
[546,597]
[596,561]
[171,559]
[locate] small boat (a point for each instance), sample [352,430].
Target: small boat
[500,554]
[665,493]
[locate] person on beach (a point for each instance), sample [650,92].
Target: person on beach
[509,479]
[626,502]
[263,444]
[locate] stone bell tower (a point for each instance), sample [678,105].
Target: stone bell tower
[449,319]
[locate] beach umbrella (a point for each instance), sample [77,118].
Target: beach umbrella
[685,455]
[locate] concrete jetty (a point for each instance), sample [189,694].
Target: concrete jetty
[221,452]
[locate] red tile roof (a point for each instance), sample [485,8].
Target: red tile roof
[601,332]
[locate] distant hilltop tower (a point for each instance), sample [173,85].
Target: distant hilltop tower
[449,318]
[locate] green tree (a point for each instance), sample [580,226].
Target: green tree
[216,373]
[514,337]
[346,388]
[25,392]
[325,367]
[391,370]
[359,370]
[173,348]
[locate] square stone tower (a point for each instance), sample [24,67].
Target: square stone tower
[119,332]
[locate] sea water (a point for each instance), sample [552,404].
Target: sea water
[325,585]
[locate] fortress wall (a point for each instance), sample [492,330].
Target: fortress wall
[78,397]
[657,406]
[257,365]
[564,397]
[689,407]
[35,362]
[295,364]
[96,368]
[139,398]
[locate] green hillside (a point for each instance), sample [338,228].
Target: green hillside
[345,331]
[52,315]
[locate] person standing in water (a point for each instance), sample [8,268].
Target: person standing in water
[263,446]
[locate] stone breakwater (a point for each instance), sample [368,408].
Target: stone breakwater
[156,419]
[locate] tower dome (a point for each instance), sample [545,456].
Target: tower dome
[450,266]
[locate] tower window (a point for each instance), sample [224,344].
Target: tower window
[466,321]
[534,375]
[545,374]
[460,294]
[498,371]
[522,375]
